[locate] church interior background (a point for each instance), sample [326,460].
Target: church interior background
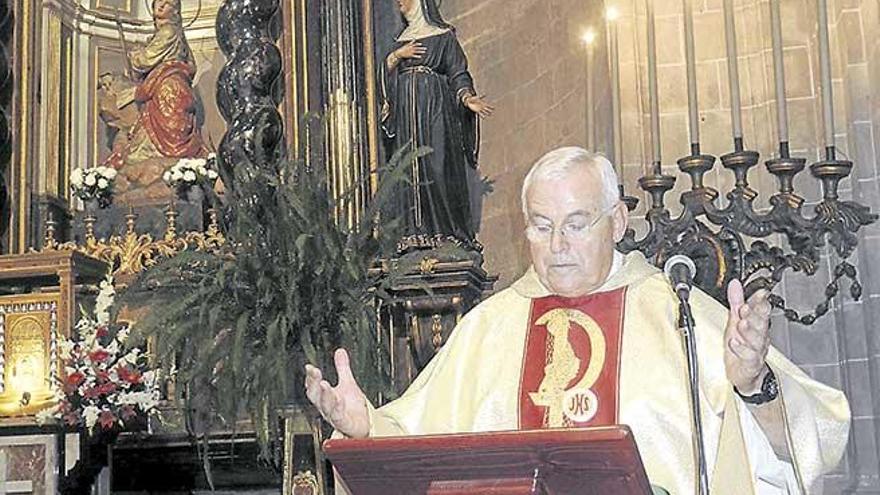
[68,106]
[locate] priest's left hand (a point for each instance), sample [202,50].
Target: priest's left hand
[746,338]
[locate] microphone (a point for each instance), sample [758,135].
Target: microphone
[681,271]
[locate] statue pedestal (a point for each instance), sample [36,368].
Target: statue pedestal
[431,290]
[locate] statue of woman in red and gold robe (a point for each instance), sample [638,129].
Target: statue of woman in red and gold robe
[167,127]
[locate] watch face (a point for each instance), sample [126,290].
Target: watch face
[769,391]
[770,388]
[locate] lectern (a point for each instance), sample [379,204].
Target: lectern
[602,460]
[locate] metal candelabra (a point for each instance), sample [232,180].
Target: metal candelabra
[716,238]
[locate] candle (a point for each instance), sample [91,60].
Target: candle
[779,72]
[611,15]
[691,65]
[652,86]
[825,74]
[589,38]
[732,70]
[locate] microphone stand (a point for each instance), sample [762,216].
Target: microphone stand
[686,326]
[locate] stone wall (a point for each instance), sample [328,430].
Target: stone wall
[526,58]
[526,55]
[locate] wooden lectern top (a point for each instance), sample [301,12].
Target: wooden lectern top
[602,460]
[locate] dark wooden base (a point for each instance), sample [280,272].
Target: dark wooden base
[172,464]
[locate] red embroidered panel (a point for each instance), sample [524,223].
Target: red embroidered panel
[571,362]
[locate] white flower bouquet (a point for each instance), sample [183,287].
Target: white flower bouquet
[189,173]
[93,184]
[105,385]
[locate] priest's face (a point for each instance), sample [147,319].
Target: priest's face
[572,231]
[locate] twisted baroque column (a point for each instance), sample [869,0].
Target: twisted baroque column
[249,90]
[6,85]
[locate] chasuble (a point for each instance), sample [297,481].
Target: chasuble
[525,358]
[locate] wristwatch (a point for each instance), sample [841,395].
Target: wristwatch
[769,391]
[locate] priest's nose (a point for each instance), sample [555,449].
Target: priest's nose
[558,242]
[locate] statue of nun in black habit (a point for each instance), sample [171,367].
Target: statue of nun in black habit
[428,99]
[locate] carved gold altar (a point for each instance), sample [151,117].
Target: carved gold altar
[133,252]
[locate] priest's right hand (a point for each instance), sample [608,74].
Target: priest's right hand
[344,405]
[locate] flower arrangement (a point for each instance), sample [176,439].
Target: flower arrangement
[93,184]
[105,385]
[189,172]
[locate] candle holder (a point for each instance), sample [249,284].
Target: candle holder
[740,162]
[696,165]
[839,220]
[785,168]
[830,172]
[49,239]
[631,202]
[657,185]
[729,242]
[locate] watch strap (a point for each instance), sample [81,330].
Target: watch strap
[769,391]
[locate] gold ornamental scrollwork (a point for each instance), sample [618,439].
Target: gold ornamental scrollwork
[305,483]
[427,265]
[132,252]
[436,331]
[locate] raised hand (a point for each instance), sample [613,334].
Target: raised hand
[746,338]
[343,406]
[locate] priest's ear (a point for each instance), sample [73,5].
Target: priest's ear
[619,221]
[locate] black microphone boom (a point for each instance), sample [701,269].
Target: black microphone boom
[681,271]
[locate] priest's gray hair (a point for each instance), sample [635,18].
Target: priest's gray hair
[563,161]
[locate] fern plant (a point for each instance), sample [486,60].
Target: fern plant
[291,286]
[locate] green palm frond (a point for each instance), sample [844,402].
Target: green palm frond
[290,287]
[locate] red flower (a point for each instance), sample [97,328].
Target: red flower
[72,418]
[129,375]
[99,390]
[92,392]
[101,332]
[75,379]
[128,412]
[106,419]
[99,356]
[102,376]
[107,388]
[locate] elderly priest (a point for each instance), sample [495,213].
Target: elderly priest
[588,337]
